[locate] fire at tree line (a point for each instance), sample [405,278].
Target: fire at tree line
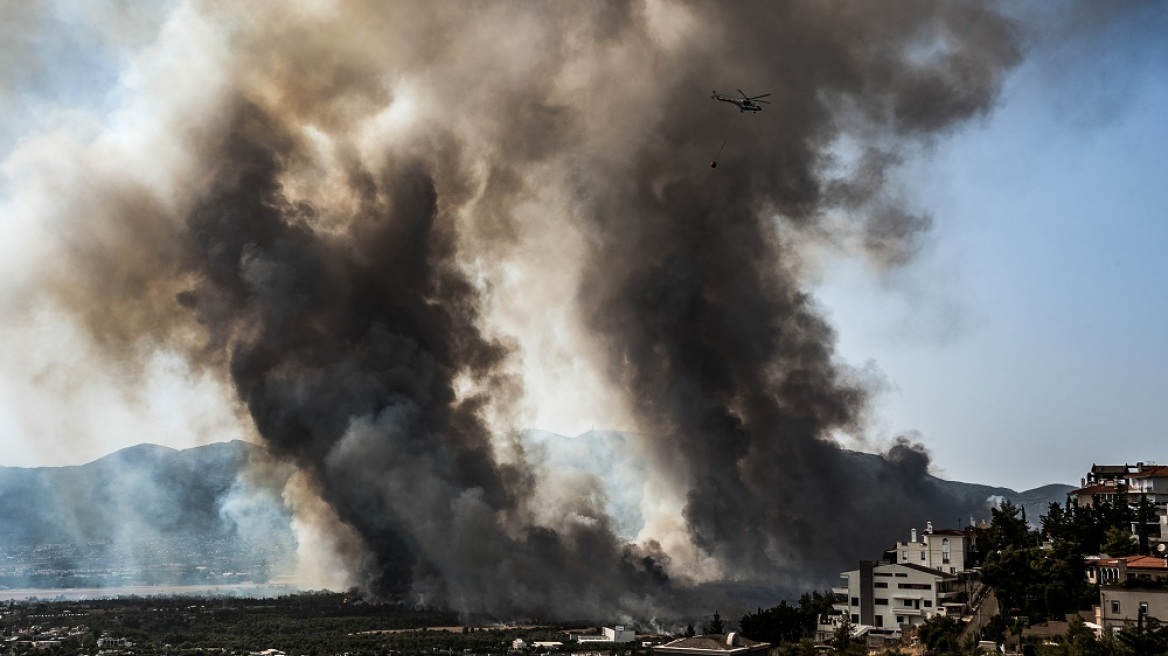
[1044,581]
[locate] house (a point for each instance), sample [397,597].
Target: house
[1130,589]
[1128,483]
[714,644]
[945,550]
[1150,481]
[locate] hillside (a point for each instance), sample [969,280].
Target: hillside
[140,492]
[153,514]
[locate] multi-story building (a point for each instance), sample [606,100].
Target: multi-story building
[944,550]
[1128,484]
[1123,482]
[895,595]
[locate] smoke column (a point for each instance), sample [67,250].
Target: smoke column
[375,221]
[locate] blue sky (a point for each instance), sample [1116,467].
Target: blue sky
[1025,342]
[1028,339]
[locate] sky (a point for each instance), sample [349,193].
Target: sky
[1023,343]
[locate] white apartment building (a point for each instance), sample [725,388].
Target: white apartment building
[944,550]
[896,595]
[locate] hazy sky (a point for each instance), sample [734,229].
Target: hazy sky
[1025,342]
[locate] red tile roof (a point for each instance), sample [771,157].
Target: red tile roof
[1147,562]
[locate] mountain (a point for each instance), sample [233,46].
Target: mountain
[1035,501]
[145,491]
[151,514]
[613,459]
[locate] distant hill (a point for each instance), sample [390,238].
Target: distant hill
[145,491]
[1036,501]
[158,514]
[609,456]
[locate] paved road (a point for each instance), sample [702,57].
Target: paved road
[982,614]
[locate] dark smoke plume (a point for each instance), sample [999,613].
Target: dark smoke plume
[344,216]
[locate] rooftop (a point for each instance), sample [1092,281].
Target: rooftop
[721,643]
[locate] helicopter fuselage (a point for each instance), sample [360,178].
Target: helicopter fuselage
[743,104]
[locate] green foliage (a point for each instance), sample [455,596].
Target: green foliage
[1118,542]
[844,643]
[804,647]
[940,634]
[715,625]
[1007,529]
[1081,640]
[786,623]
[1150,638]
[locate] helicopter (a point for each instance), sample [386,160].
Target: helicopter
[746,103]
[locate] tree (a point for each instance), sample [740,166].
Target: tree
[1007,529]
[689,630]
[777,625]
[1147,637]
[1119,542]
[1144,515]
[940,633]
[844,642]
[1056,523]
[715,625]
[1081,640]
[786,623]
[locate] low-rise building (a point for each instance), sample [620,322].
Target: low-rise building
[1120,605]
[1130,589]
[714,644]
[616,634]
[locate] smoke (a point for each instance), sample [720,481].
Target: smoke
[395,229]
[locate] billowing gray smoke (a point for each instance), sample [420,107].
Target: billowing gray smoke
[374,208]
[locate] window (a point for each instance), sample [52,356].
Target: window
[881,602]
[881,584]
[901,575]
[922,555]
[928,603]
[1115,606]
[904,556]
[945,550]
[900,619]
[915,586]
[1143,608]
[855,601]
[879,620]
[855,619]
[907,603]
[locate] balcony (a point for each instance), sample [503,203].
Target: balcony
[843,591]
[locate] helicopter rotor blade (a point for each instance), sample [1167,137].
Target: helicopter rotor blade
[743,94]
[765,102]
[757,97]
